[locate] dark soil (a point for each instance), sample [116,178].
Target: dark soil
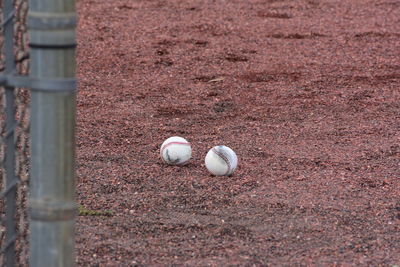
[306,92]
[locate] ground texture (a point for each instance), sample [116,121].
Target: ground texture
[306,92]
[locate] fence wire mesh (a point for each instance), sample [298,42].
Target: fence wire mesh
[21,133]
[2,133]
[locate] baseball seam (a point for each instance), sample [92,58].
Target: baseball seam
[172,143]
[224,158]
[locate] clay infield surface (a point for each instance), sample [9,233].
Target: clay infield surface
[306,92]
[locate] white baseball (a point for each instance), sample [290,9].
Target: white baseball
[221,160]
[176,150]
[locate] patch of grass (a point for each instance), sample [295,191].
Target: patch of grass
[83,211]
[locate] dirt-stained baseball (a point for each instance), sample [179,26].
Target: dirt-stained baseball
[176,151]
[221,160]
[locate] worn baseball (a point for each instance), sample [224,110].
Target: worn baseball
[221,161]
[176,151]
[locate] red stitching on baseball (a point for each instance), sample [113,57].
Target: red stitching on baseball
[224,158]
[172,143]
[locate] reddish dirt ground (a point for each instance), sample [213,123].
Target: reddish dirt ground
[306,92]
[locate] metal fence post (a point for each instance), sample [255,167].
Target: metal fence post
[52,207]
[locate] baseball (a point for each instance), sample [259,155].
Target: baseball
[176,150]
[221,160]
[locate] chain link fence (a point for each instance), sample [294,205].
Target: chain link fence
[18,244]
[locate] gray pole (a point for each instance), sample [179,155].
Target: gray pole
[52,206]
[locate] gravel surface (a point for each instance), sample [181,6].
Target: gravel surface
[307,94]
